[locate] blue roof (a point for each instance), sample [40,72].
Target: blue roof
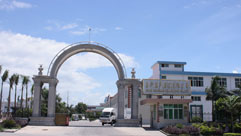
[171,62]
[200,73]
[198,93]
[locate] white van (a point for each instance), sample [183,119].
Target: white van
[108,116]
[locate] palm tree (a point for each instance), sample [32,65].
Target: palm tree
[11,82]
[4,78]
[231,105]
[32,90]
[214,92]
[26,87]
[16,84]
[21,101]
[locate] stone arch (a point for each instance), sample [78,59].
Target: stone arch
[52,80]
[87,48]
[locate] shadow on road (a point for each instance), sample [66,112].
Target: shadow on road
[149,129]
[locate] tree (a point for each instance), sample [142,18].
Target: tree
[4,78]
[26,87]
[214,92]
[61,107]
[16,84]
[232,105]
[81,108]
[21,102]
[11,82]
[44,101]
[236,92]
[71,110]
[32,90]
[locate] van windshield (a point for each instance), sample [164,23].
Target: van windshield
[105,114]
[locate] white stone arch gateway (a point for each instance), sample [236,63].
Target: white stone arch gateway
[51,78]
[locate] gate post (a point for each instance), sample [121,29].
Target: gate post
[120,98]
[37,98]
[135,101]
[52,97]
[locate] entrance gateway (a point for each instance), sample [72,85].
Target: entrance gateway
[51,78]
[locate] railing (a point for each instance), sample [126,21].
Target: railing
[87,42]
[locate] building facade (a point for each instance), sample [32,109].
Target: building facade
[172,95]
[196,104]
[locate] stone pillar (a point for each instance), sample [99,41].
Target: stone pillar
[37,98]
[120,98]
[135,100]
[52,97]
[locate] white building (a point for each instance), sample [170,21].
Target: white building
[200,107]
[172,95]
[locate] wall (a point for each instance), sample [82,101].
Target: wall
[171,68]
[144,111]
[164,122]
[155,71]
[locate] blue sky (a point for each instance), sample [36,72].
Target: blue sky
[204,33]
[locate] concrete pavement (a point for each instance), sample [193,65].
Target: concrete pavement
[83,128]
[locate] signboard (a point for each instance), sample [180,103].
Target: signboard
[166,87]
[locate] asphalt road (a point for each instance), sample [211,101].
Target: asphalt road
[83,128]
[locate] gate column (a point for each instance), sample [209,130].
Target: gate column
[120,99]
[52,97]
[135,100]
[37,97]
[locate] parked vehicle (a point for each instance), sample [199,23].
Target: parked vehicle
[108,116]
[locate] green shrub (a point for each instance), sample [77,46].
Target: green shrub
[179,125]
[237,127]
[92,119]
[1,128]
[206,130]
[186,130]
[80,117]
[23,113]
[196,120]
[232,134]
[197,125]
[9,124]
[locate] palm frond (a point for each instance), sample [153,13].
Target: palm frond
[11,80]
[16,79]
[5,76]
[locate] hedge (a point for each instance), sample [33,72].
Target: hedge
[232,134]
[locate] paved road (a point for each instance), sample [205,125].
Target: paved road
[83,128]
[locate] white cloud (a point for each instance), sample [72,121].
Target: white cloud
[69,26]
[118,28]
[128,61]
[80,32]
[23,53]
[85,30]
[13,4]
[235,71]
[57,25]
[72,28]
